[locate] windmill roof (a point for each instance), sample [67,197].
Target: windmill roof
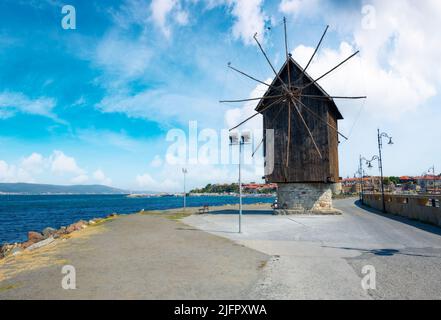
[325,94]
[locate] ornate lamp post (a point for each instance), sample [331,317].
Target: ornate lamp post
[380,137]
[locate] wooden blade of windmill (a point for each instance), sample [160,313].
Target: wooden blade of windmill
[251,99]
[312,57]
[269,62]
[287,55]
[333,97]
[288,141]
[320,118]
[257,113]
[326,73]
[248,76]
[257,148]
[307,128]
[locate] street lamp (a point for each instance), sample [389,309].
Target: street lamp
[380,161]
[185,171]
[241,140]
[432,168]
[370,166]
[360,172]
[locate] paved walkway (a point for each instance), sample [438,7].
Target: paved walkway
[137,257]
[321,257]
[277,257]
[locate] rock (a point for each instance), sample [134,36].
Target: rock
[26,244]
[91,222]
[40,244]
[10,249]
[76,226]
[35,236]
[15,251]
[47,232]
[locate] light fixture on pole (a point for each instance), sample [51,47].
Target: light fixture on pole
[185,171]
[361,175]
[241,140]
[380,137]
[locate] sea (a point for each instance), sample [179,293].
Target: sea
[22,213]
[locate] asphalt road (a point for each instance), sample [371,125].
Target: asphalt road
[322,257]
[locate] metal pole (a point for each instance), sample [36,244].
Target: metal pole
[185,192]
[240,187]
[361,179]
[380,164]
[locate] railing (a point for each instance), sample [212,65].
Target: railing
[425,208]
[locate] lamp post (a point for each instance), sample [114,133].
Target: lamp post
[432,168]
[185,171]
[360,172]
[244,138]
[380,137]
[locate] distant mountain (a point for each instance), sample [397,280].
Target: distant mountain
[30,188]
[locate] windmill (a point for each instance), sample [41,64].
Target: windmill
[305,149]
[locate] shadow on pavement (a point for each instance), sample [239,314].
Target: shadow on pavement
[382,252]
[414,223]
[245,212]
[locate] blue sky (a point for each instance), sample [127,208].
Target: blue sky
[94,104]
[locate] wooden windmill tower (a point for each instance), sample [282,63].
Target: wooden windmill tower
[303,120]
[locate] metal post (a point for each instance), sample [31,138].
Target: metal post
[360,168]
[380,164]
[240,186]
[184,171]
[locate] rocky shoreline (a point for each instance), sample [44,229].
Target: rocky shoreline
[48,235]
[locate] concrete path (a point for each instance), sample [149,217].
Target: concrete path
[321,257]
[136,257]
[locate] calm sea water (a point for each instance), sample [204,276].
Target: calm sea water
[20,214]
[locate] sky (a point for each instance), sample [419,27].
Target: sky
[127,92]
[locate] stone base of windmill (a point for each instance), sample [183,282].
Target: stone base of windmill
[305,199]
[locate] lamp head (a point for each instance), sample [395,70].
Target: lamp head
[390,141]
[234,138]
[245,137]
[369,165]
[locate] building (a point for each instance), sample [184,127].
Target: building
[305,144]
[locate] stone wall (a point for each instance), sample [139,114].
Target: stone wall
[305,198]
[422,208]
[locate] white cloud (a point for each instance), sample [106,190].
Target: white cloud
[295,7]
[250,19]
[162,10]
[163,183]
[12,173]
[13,102]
[82,178]
[99,176]
[63,164]
[398,65]
[236,115]
[34,163]
[122,57]
[156,162]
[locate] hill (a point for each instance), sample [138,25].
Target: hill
[30,188]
